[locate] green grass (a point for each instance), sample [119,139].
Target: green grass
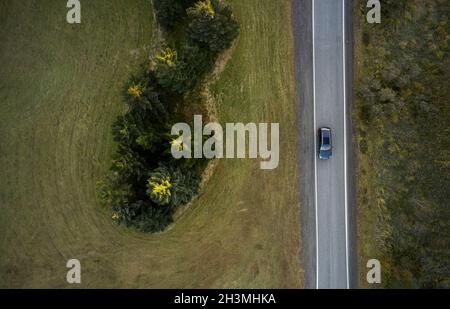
[60,92]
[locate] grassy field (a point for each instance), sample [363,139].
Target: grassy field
[59,94]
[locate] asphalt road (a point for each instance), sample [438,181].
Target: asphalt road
[324,76]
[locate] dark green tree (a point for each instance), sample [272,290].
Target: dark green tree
[170,12]
[212,25]
[181,71]
[171,186]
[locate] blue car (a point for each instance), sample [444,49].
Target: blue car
[325,144]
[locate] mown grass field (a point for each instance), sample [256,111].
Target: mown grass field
[59,94]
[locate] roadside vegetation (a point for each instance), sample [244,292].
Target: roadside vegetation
[146,184]
[402,116]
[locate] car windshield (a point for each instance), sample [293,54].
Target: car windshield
[325,147]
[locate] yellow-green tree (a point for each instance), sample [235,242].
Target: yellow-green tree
[159,187]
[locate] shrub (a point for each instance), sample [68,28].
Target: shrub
[170,12]
[142,97]
[185,185]
[171,185]
[212,25]
[112,192]
[134,132]
[159,186]
[181,71]
[128,164]
[151,219]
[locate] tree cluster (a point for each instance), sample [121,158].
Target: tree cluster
[146,184]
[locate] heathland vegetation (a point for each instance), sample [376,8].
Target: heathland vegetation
[403,113]
[146,184]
